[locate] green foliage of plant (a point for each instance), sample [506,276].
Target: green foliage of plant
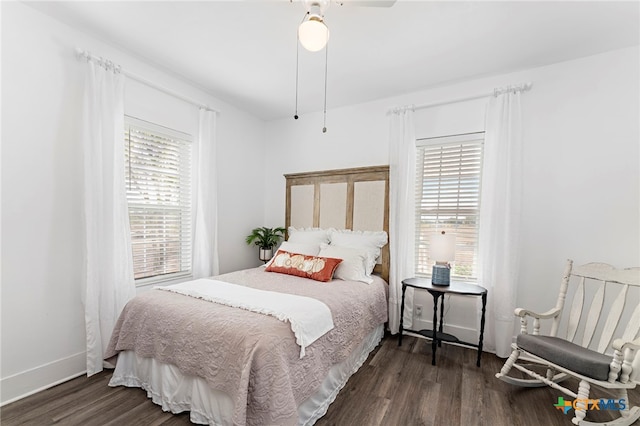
[264,237]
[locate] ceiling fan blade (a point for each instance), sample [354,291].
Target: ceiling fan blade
[367,3]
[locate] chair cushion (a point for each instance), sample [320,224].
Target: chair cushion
[567,354]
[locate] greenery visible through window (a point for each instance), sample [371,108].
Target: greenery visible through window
[157,169]
[448,199]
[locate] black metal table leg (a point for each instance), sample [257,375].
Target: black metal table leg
[484,309]
[404,289]
[441,327]
[434,342]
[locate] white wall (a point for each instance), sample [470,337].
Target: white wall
[581,170]
[42,241]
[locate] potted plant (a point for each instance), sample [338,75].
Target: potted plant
[265,238]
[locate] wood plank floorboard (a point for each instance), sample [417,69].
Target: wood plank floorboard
[397,386]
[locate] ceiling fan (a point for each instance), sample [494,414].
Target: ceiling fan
[313,32]
[366,3]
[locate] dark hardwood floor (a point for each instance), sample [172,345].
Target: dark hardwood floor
[396,386]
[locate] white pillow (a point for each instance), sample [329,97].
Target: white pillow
[353,266]
[299,248]
[372,241]
[309,235]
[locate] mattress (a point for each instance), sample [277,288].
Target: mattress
[231,366]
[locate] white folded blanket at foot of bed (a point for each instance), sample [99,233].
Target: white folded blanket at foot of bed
[309,318]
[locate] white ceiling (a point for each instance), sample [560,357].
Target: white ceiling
[244,52]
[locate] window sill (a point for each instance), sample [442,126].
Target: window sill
[473,280]
[164,280]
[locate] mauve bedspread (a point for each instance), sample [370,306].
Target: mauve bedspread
[251,357]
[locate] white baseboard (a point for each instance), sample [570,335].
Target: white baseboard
[23,384]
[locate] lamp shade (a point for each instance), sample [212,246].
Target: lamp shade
[313,34]
[443,247]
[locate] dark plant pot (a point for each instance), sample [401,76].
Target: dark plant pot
[265,254]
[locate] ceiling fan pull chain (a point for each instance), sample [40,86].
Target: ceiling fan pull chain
[326,61]
[295,116]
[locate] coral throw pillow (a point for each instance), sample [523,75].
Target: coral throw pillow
[313,267]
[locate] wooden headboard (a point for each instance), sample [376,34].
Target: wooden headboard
[356,199]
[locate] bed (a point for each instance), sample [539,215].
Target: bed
[227,365]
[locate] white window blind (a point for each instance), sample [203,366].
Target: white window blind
[448,199]
[158,179]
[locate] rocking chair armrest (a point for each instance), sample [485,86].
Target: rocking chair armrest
[621,345]
[520,312]
[622,362]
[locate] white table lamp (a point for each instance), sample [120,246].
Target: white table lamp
[443,250]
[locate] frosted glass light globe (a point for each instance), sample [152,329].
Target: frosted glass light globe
[313,34]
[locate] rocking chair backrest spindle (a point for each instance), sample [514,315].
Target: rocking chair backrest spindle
[562,297]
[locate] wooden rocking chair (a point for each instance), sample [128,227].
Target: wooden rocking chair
[578,354]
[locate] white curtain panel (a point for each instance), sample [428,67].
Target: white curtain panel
[402,176]
[109,281]
[205,184]
[500,218]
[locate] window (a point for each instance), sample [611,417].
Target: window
[448,199]
[157,169]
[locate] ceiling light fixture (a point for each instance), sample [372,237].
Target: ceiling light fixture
[313,35]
